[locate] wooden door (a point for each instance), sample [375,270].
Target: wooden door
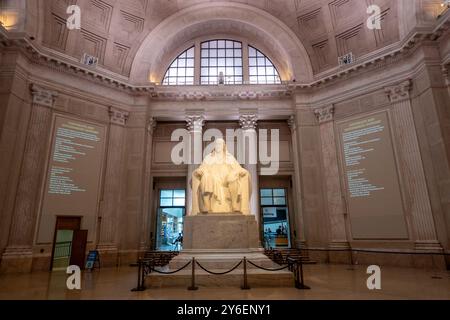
[78,253]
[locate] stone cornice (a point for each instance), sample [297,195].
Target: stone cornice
[376,59]
[223,93]
[58,62]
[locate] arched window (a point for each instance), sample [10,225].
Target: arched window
[261,69]
[221,62]
[181,71]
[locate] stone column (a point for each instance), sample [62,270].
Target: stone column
[298,199]
[194,125]
[446,74]
[332,185]
[313,198]
[18,255]
[111,203]
[248,123]
[146,226]
[415,192]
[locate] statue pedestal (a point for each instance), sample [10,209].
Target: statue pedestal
[220,231]
[218,242]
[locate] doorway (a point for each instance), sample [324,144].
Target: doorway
[170,219]
[69,245]
[275,217]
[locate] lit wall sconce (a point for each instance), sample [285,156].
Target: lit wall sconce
[9,19]
[445,5]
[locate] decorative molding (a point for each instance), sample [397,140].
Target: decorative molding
[93,44]
[43,97]
[120,55]
[222,93]
[135,22]
[390,54]
[195,122]
[292,123]
[151,125]
[58,37]
[324,114]
[99,14]
[399,92]
[118,116]
[248,121]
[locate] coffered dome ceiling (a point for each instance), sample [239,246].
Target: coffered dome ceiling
[138,38]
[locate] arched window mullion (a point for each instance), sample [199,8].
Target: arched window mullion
[181,71]
[261,68]
[221,62]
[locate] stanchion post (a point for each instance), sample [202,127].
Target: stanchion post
[140,281]
[245,286]
[142,276]
[300,284]
[193,287]
[139,284]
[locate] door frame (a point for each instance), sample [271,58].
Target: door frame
[288,214]
[73,228]
[157,220]
[162,183]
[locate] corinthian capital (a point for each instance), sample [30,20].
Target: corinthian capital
[195,122]
[151,125]
[248,121]
[399,92]
[324,114]
[118,116]
[292,123]
[43,96]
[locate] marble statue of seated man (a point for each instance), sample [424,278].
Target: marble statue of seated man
[220,184]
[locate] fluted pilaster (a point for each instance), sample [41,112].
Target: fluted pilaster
[146,225]
[249,123]
[194,124]
[24,218]
[333,190]
[298,201]
[111,203]
[417,200]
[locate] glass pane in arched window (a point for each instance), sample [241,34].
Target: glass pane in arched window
[261,69]
[221,62]
[181,71]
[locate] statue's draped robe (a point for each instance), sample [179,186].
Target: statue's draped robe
[224,182]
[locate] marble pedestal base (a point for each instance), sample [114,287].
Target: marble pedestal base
[219,242]
[220,231]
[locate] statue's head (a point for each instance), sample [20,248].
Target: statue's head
[220,146]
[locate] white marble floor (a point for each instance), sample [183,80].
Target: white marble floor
[326,282]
